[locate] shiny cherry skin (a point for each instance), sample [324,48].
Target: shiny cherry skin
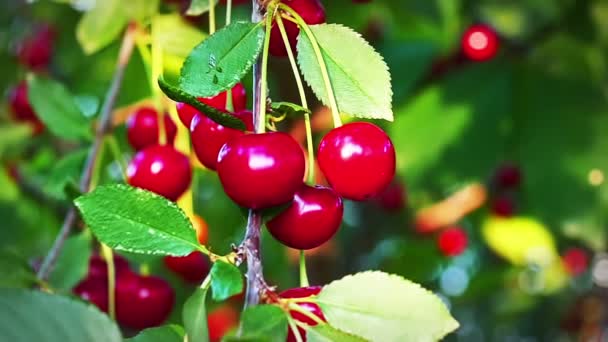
[142,128]
[261,170]
[143,301]
[160,169]
[192,268]
[221,321]
[303,292]
[312,11]
[452,241]
[358,160]
[21,109]
[95,291]
[208,137]
[575,260]
[508,176]
[36,50]
[312,219]
[480,43]
[239,103]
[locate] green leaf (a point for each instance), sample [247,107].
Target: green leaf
[27,316]
[66,170]
[141,9]
[226,281]
[289,109]
[13,136]
[57,108]
[327,333]
[174,35]
[100,26]
[361,85]
[194,315]
[16,272]
[73,263]
[383,307]
[138,221]
[166,333]
[221,60]
[266,323]
[212,113]
[198,7]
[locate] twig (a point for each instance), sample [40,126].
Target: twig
[103,128]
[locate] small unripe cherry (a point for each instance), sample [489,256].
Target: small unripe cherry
[142,128]
[358,160]
[452,241]
[575,260]
[21,109]
[192,268]
[160,169]
[313,308]
[220,101]
[480,43]
[311,11]
[202,229]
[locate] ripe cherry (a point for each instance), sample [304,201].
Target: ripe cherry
[98,269]
[193,268]
[93,290]
[503,206]
[36,50]
[480,43]
[312,219]
[393,198]
[221,321]
[160,169]
[452,241]
[311,11]
[575,261]
[208,137]
[143,301]
[508,176]
[313,308]
[239,103]
[142,128]
[261,170]
[21,110]
[358,160]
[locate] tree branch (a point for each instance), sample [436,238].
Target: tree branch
[104,127]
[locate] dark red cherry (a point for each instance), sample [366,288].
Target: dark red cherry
[575,261]
[21,110]
[142,128]
[261,170]
[312,219]
[480,43]
[36,50]
[392,198]
[143,301]
[312,11]
[503,206]
[313,308]
[98,269]
[193,268]
[93,290]
[452,241]
[160,169]
[208,137]
[239,103]
[358,160]
[508,176]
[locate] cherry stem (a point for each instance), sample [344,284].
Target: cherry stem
[261,124]
[108,255]
[315,46]
[228,12]
[115,150]
[103,128]
[211,17]
[303,274]
[294,328]
[157,70]
[296,307]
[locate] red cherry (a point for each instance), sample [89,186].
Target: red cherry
[312,219]
[201,228]
[503,206]
[239,102]
[575,261]
[142,128]
[358,160]
[160,169]
[193,268]
[36,50]
[311,11]
[303,292]
[508,176]
[208,137]
[480,43]
[392,198]
[95,291]
[452,241]
[21,110]
[221,321]
[261,170]
[143,301]
[98,269]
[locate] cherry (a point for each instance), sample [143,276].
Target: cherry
[160,169]
[358,160]
[201,228]
[239,102]
[95,291]
[193,268]
[311,11]
[208,137]
[503,206]
[21,110]
[98,269]
[480,43]
[452,241]
[261,170]
[575,261]
[508,176]
[143,301]
[303,292]
[392,198]
[36,50]
[142,128]
[312,219]
[220,321]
